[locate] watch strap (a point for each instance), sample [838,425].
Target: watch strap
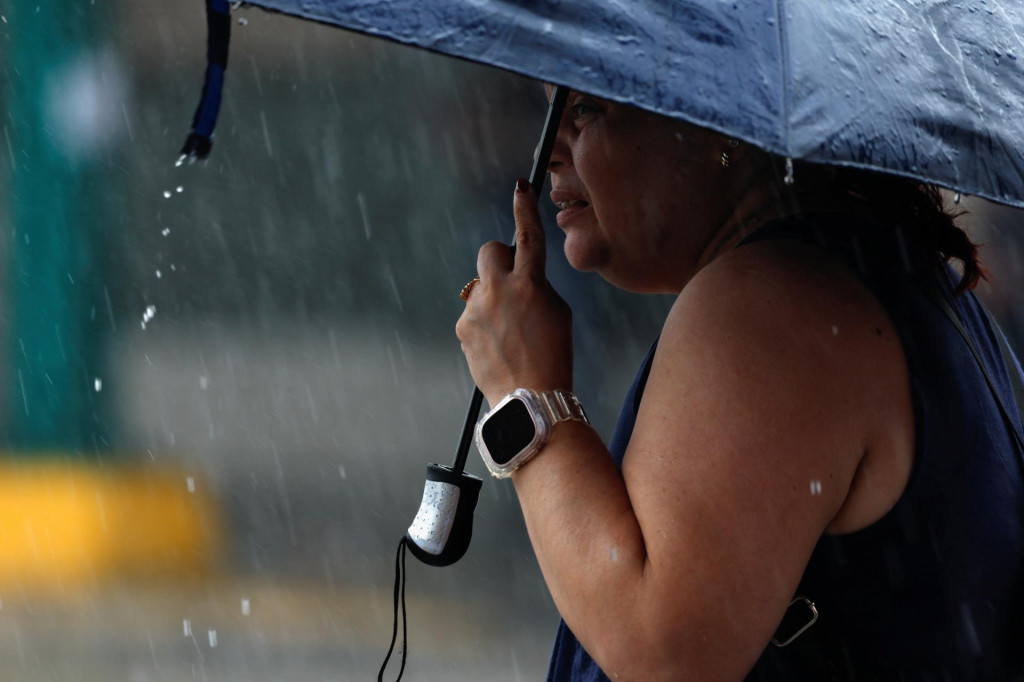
[562,406]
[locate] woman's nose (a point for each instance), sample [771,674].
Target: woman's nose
[561,152]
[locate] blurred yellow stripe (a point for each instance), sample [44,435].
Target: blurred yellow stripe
[63,523]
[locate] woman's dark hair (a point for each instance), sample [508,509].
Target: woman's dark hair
[909,204]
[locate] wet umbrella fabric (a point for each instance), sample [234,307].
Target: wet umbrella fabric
[921,88]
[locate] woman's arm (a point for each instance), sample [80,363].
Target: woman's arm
[775,375]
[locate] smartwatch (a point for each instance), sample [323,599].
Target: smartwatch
[517,428]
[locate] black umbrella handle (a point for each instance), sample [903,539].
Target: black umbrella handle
[559,95]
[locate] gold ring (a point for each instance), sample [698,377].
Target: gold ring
[464,294]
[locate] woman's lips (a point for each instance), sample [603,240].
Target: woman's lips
[570,212]
[571,204]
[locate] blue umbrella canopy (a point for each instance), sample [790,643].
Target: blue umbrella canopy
[928,89]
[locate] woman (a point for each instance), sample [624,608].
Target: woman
[809,425]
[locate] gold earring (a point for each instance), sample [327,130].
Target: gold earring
[725,155]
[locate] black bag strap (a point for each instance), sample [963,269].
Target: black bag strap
[932,289]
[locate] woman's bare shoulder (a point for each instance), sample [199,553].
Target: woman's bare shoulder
[769,387]
[788,335]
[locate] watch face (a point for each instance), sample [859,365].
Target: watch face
[509,430]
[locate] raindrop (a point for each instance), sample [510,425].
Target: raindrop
[179,189]
[815,487]
[245,606]
[167,194]
[789,180]
[166,231]
[367,230]
[181,160]
[158,275]
[186,625]
[342,472]
[243,21]
[203,383]
[190,483]
[98,384]
[957,197]
[835,330]
[212,634]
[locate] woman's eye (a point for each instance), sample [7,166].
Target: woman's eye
[582,110]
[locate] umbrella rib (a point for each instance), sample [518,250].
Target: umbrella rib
[784,75]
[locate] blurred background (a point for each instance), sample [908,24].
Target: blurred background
[223,381]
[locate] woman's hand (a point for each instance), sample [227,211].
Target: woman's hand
[516,331]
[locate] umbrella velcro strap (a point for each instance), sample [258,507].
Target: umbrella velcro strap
[931,289]
[218,26]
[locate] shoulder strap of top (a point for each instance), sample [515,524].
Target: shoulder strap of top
[1016,383]
[936,295]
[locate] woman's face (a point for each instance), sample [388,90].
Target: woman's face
[638,193]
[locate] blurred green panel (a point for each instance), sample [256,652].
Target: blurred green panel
[55,91]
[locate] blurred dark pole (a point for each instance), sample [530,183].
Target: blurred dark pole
[53,90]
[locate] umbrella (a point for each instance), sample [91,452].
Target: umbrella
[919,88]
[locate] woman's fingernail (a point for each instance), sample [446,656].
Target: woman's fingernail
[522,186]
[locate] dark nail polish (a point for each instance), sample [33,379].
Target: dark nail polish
[522,186]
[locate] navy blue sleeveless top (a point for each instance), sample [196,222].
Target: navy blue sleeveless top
[932,591]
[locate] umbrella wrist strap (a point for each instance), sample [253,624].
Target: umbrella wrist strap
[399,599]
